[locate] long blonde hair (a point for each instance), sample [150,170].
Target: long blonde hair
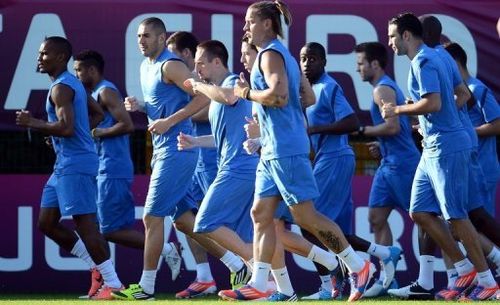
[273,10]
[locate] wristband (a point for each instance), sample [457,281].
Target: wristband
[92,132]
[361,130]
[245,92]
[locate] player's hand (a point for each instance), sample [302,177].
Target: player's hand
[374,149]
[48,142]
[252,128]
[418,129]
[131,104]
[241,86]
[192,84]
[159,126]
[185,141]
[388,109]
[251,145]
[23,118]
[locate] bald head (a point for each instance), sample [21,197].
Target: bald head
[431,30]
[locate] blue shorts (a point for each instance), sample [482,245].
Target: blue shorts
[115,204]
[391,187]
[334,178]
[201,183]
[478,194]
[227,203]
[441,185]
[290,178]
[283,213]
[73,194]
[169,184]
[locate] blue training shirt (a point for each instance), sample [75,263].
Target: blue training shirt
[399,149]
[114,152]
[331,106]
[227,126]
[282,129]
[75,154]
[457,80]
[485,110]
[162,100]
[443,132]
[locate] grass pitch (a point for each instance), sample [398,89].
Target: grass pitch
[59,299]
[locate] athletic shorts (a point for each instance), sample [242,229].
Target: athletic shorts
[73,194]
[441,185]
[201,183]
[227,203]
[115,204]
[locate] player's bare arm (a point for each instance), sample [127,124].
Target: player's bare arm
[62,97]
[384,95]
[111,101]
[96,114]
[429,103]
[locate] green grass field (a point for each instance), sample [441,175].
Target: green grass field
[169,299]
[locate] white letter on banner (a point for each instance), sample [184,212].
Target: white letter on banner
[222,29]
[318,27]
[26,77]
[133,57]
[396,223]
[24,259]
[57,262]
[456,31]
[186,253]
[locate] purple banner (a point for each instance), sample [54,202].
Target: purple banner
[28,259]
[338,25]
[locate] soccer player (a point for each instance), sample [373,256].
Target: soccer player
[484,114]
[168,107]
[330,119]
[445,156]
[391,185]
[275,82]
[184,44]
[224,215]
[115,202]
[71,189]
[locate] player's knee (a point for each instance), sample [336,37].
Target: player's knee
[182,227]
[376,221]
[419,218]
[260,217]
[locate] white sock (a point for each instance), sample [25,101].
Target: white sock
[147,282]
[379,251]
[282,280]
[352,260]
[80,251]
[494,256]
[167,248]
[323,257]
[232,261]
[426,272]
[260,275]
[326,282]
[486,279]
[464,266]
[203,273]
[109,275]
[249,264]
[452,275]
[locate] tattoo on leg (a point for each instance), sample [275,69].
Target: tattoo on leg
[330,240]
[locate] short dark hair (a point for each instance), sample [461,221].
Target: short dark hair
[373,51]
[457,52]
[183,40]
[407,22]
[156,23]
[318,48]
[247,41]
[215,49]
[91,58]
[62,45]
[431,30]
